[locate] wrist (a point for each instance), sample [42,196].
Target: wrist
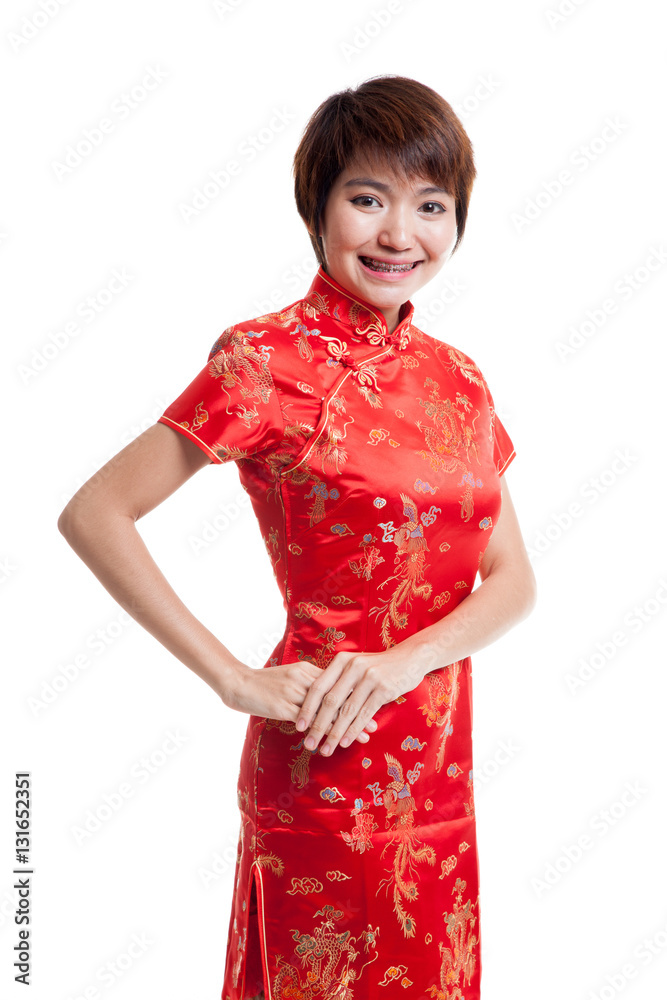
[425,651]
[231,683]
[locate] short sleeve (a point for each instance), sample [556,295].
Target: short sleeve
[231,408]
[503,449]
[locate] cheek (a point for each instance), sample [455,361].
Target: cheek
[440,244]
[348,234]
[348,228]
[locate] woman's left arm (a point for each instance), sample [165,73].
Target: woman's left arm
[355,685]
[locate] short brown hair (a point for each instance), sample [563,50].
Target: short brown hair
[394,120]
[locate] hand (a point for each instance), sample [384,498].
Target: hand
[343,699]
[276,692]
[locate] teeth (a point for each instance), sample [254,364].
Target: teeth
[379,265]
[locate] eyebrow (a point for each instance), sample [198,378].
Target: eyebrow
[369,182]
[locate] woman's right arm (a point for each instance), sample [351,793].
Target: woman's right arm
[99,522]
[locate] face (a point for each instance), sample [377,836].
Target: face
[385,237]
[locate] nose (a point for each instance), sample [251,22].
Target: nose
[395,229]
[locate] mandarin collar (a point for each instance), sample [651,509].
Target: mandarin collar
[359,317]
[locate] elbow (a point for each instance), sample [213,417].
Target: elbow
[64,521]
[86,518]
[77,518]
[517,580]
[69,523]
[527,587]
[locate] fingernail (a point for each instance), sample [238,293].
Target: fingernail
[364,737]
[326,749]
[310,742]
[301,724]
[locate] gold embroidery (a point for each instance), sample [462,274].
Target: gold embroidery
[458,959]
[330,958]
[466,366]
[377,434]
[305,886]
[337,876]
[440,600]
[400,806]
[451,440]
[370,559]
[392,974]
[411,562]
[361,837]
[443,691]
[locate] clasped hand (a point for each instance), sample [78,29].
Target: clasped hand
[339,701]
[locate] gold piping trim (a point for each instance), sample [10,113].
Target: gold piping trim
[507,462]
[315,438]
[188,433]
[265,957]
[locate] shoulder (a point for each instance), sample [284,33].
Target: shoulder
[267,331]
[456,363]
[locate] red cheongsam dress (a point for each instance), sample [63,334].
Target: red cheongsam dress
[373,464]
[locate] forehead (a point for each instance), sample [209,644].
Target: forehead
[387,164]
[386,170]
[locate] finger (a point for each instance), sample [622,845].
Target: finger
[334,697]
[324,720]
[358,726]
[347,713]
[364,735]
[355,715]
[329,726]
[325,701]
[316,693]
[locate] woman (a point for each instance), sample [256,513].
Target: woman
[374,461]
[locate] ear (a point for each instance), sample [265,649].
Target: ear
[311,229]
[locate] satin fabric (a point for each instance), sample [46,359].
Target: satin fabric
[373,464]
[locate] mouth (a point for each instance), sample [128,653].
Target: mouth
[388,267]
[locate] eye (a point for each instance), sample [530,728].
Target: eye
[433,207]
[365,199]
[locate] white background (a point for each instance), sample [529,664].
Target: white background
[536,92]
